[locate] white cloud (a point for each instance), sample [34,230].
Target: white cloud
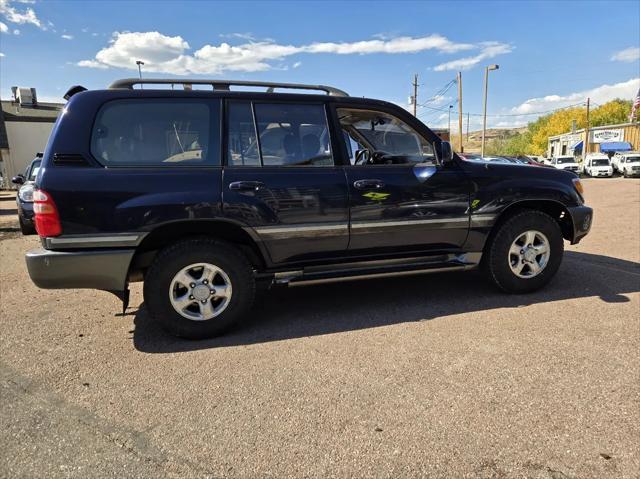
[628,55]
[600,94]
[296,64]
[16,32]
[13,15]
[489,50]
[92,64]
[162,53]
[66,36]
[1,54]
[4,28]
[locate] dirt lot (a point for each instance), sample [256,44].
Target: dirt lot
[437,376]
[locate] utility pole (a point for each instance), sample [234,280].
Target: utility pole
[585,147]
[468,126]
[415,94]
[460,147]
[450,107]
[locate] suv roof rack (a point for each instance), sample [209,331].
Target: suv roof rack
[223,85]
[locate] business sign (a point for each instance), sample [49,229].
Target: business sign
[572,139]
[604,136]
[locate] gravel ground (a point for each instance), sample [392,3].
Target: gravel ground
[437,376]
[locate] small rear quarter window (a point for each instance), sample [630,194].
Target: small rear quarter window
[157,132]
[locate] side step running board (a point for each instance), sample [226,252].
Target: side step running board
[377,269]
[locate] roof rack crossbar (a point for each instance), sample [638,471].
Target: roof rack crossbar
[223,85]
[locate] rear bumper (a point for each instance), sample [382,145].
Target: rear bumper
[94,269]
[582,217]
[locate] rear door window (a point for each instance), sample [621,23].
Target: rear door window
[278,134]
[157,132]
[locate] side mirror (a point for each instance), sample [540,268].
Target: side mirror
[17,180]
[444,152]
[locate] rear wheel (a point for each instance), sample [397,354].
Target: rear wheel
[199,288]
[525,252]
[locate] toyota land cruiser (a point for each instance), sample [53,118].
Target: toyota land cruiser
[203,193]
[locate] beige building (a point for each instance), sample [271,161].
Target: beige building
[606,139]
[25,126]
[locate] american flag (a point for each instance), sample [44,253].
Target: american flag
[636,105]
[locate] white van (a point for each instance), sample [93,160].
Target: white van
[597,164]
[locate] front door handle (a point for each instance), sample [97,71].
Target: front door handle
[368,184]
[246,185]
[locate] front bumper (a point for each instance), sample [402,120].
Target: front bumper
[25,211]
[95,269]
[582,218]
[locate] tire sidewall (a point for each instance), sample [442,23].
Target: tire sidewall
[171,261]
[509,231]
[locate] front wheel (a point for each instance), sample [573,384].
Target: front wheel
[199,288]
[525,252]
[25,228]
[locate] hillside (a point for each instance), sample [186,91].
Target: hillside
[473,144]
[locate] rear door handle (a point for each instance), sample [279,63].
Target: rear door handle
[368,184]
[246,185]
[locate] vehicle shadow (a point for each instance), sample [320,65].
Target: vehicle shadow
[288,313]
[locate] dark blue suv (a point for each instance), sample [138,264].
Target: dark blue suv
[203,193]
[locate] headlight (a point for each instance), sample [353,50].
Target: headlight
[26,193]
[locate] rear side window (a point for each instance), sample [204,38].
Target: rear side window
[157,133]
[278,134]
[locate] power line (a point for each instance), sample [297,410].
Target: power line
[445,110]
[439,93]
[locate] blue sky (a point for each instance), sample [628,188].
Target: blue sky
[551,54]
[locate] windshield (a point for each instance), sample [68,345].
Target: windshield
[567,159]
[633,159]
[602,162]
[35,166]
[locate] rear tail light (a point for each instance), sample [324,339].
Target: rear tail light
[46,214]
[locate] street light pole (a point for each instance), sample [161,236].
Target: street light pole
[140,63]
[450,107]
[484,116]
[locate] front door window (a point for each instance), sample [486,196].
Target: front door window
[377,138]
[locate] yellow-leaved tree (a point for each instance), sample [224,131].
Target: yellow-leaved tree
[534,139]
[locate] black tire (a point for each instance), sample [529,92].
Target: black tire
[496,255]
[172,259]
[625,174]
[26,229]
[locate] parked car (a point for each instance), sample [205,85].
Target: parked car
[498,159]
[469,156]
[24,198]
[204,194]
[597,164]
[529,161]
[567,163]
[627,163]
